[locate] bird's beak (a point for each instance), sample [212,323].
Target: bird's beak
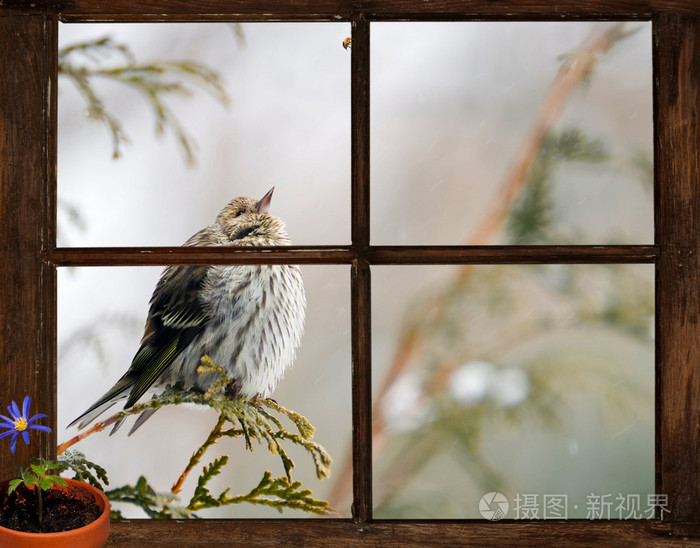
[264,204]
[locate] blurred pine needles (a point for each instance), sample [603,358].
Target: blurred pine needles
[530,220]
[84,62]
[474,323]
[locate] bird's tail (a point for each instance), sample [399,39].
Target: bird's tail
[118,392]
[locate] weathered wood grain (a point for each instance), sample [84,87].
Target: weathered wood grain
[361,282]
[145,256]
[393,534]
[677,66]
[28,33]
[213,10]
[376,255]
[27,173]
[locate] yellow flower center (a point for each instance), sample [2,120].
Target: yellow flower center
[20,424]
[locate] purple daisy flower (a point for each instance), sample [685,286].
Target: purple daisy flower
[20,423]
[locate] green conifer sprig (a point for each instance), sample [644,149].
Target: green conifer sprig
[84,62]
[278,493]
[155,505]
[83,469]
[254,421]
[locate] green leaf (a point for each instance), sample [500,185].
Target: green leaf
[38,470]
[14,484]
[58,480]
[45,483]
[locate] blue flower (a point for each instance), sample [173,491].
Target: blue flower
[20,423]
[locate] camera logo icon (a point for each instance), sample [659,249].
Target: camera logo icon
[494,506]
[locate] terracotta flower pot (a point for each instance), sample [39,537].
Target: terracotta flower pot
[93,535]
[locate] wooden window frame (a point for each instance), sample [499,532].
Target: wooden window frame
[29,257]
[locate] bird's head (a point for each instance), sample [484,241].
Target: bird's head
[245,221]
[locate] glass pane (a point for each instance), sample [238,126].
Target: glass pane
[535,382]
[101,315]
[287,125]
[511,133]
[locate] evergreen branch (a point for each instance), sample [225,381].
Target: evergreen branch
[531,217]
[302,423]
[277,493]
[201,497]
[322,459]
[221,382]
[156,505]
[258,424]
[251,420]
[76,461]
[93,49]
[170,396]
[573,72]
[95,106]
[255,423]
[270,417]
[150,79]
[197,456]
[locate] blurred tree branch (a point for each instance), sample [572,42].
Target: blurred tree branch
[575,70]
[84,62]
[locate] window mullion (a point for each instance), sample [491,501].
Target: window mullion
[360,290]
[677,164]
[530,254]
[156,256]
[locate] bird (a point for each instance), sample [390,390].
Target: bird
[249,319]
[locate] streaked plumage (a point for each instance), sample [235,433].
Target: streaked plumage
[248,318]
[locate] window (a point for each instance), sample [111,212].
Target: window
[28,48]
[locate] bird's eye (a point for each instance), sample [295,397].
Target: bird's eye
[239,212]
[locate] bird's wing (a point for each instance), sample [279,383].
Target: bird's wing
[175,318]
[177,315]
